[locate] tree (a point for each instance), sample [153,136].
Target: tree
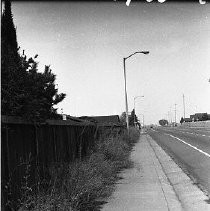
[8,36]
[133,118]
[40,93]
[204,117]
[25,91]
[130,118]
[10,61]
[123,118]
[163,122]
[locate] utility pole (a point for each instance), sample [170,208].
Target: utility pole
[175,112]
[168,117]
[126,96]
[184,105]
[171,115]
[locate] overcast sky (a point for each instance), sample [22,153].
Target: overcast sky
[85,44]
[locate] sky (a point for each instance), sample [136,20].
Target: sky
[85,43]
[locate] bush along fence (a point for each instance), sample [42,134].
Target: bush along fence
[29,150]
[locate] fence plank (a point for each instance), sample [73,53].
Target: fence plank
[41,145]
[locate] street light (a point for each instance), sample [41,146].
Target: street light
[126,98]
[135,107]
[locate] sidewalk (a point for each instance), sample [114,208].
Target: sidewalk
[154,183]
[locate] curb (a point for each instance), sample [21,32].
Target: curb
[189,195]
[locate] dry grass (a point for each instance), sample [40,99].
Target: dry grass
[80,185]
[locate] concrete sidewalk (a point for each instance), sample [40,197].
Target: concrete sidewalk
[154,183]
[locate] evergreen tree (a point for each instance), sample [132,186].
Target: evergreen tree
[123,118]
[10,60]
[8,36]
[130,118]
[163,122]
[204,117]
[41,94]
[182,120]
[133,118]
[25,91]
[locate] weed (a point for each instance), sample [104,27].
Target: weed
[82,185]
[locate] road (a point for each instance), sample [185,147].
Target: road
[190,148]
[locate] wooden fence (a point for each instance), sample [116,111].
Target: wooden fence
[28,150]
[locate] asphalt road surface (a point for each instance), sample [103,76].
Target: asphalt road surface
[190,148]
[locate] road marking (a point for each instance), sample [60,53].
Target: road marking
[199,150]
[196,134]
[190,133]
[204,135]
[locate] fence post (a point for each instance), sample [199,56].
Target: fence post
[54,142]
[37,145]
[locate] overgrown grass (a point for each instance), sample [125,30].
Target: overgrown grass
[83,184]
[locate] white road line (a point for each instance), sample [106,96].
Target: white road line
[196,134]
[199,150]
[190,133]
[204,135]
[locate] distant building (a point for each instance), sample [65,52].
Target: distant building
[187,120]
[73,119]
[112,119]
[199,117]
[192,117]
[108,119]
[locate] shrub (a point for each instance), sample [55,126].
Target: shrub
[82,185]
[133,135]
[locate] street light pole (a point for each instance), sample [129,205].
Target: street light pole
[175,112]
[171,115]
[184,105]
[126,97]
